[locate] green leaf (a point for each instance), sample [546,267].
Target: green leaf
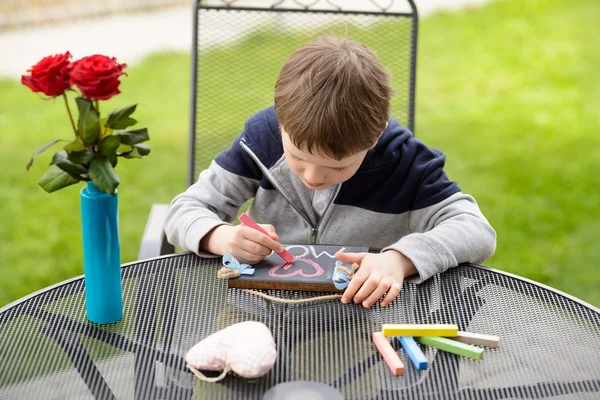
[61,160]
[143,149]
[103,175]
[88,125]
[104,130]
[138,151]
[113,160]
[120,119]
[41,150]
[134,136]
[108,146]
[55,178]
[76,144]
[123,148]
[81,156]
[132,154]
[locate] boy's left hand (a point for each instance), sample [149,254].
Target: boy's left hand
[378,274]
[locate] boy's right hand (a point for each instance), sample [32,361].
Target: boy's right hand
[245,244]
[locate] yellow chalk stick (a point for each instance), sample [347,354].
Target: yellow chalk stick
[416,330]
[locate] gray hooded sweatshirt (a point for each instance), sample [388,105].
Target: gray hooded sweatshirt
[400,198]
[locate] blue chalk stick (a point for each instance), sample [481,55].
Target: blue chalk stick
[414,351]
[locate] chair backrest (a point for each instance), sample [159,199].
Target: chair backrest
[240,45]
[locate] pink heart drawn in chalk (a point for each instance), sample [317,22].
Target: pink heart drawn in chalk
[318,269]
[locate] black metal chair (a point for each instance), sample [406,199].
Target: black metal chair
[238,49]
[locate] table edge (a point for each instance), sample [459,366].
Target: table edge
[77,278]
[132,263]
[539,284]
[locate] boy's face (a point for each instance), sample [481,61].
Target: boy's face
[319,171]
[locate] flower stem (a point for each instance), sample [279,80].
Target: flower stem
[69,112]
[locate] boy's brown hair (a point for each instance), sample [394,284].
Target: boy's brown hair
[333,96]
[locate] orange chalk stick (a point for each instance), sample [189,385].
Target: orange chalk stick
[389,354]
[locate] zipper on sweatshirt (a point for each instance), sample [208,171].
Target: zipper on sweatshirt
[313,236]
[314,230]
[270,179]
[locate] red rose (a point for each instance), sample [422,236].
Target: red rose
[50,76]
[97,76]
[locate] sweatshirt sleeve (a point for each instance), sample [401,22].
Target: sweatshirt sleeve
[214,199]
[446,234]
[446,226]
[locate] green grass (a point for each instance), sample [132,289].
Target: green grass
[510,92]
[517,114]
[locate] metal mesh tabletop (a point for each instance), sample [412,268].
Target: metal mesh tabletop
[550,342]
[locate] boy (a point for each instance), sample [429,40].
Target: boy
[326,165]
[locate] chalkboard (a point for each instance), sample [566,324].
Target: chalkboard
[312,269]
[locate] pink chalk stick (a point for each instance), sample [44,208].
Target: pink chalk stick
[477,339]
[246,220]
[389,354]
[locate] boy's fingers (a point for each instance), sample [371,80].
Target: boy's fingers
[265,240]
[255,248]
[246,257]
[270,229]
[350,258]
[368,288]
[354,285]
[377,293]
[392,293]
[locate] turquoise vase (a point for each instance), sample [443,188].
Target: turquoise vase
[101,255]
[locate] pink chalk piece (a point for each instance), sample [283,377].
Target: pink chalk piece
[389,354]
[246,220]
[477,339]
